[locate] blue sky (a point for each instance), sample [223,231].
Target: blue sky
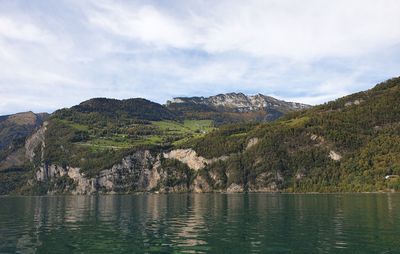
[55,54]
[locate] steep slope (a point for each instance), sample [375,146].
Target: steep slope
[14,129]
[233,107]
[351,144]
[18,126]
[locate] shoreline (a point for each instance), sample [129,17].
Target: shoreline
[199,193]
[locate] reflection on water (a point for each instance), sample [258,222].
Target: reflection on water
[201,223]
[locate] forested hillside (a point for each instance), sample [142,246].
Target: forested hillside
[350,144]
[104,145]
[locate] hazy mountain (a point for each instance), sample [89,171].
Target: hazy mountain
[233,107]
[239,102]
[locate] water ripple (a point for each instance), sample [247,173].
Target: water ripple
[201,223]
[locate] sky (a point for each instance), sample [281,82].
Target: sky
[57,53]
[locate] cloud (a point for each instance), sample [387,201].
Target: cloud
[144,23]
[56,54]
[292,29]
[10,29]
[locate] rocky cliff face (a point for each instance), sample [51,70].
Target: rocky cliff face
[14,129]
[139,172]
[190,158]
[37,140]
[179,170]
[18,126]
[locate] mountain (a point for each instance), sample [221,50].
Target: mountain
[108,128]
[137,108]
[238,102]
[351,144]
[101,146]
[17,126]
[14,129]
[233,107]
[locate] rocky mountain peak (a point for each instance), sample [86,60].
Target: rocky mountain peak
[239,102]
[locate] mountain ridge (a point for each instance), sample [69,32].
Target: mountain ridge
[230,105]
[240,102]
[134,107]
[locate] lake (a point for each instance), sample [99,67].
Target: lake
[201,223]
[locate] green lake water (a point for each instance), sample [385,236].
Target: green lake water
[201,223]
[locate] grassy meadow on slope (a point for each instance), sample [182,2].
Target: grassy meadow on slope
[95,141]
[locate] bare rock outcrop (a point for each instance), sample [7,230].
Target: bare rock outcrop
[37,139]
[187,156]
[235,188]
[252,142]
[136,172]
[200,185]
[190,158]
[355,102]
[320,141]
[335,156]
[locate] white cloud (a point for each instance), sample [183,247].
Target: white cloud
[285,28]
[55,54]
[10,29]
[144,23]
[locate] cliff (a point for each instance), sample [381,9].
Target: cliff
[14,129]
[141,171]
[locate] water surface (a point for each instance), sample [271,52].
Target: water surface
[201,223]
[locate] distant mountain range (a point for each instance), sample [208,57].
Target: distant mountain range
[228,142]
[233,107]
[239,102]
[222,108]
